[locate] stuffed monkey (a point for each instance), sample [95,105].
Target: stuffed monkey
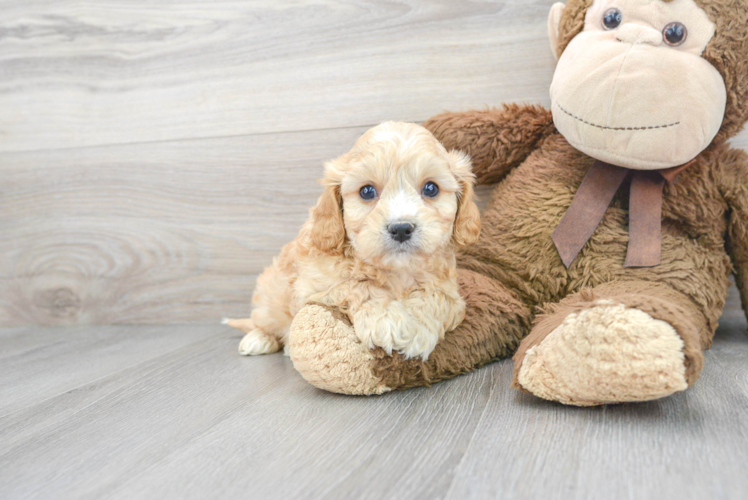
[617,218]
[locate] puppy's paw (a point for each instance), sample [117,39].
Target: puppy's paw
[395,328]
[421,341]
[258,342]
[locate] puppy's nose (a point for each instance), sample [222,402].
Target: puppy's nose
[401,231]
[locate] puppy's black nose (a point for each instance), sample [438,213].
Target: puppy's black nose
[401,231]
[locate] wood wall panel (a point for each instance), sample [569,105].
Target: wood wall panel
[92,73]
[152,233]
[155,156]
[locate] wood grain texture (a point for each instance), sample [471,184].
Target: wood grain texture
[155,233]
[155,156]
[37,365]
[198,421]
[117,72]
[741,141]
[245,417]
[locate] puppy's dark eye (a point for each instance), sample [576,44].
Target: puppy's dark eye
[612,19]
[368,192]
[675,34]
[430,190]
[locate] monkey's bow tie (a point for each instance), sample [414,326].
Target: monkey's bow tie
[592,200]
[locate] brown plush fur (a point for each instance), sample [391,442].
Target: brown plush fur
[516,272]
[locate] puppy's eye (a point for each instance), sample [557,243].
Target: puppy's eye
[612,19]
[430,190]
[368,192]
[675,34]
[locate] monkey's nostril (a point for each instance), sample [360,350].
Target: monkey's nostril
[401,231]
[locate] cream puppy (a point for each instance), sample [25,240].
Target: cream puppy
[379,245]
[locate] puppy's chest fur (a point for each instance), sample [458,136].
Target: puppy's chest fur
[346,284]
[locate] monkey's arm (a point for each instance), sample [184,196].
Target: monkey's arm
[497,140]
[734,166]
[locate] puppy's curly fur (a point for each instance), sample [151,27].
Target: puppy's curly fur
[399,295]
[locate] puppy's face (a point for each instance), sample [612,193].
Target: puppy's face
[403,195]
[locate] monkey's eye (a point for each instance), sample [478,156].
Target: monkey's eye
[612,19]
[430,190]
[368,192]
[675,34]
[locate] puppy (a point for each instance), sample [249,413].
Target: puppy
[379,246]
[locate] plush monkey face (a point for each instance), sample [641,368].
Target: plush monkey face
[632,88]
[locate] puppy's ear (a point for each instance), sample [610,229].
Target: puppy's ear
[328,230]
[467,221]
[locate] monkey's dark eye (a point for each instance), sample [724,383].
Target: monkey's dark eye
[430,190]
[675,34]
[368,192]
[612,19]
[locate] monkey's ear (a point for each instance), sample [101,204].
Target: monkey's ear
[554,25]
[467,220]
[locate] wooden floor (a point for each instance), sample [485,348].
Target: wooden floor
[155,155]
[173,412]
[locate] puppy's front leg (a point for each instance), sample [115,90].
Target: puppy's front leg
[433,314]
[412,326]
[386,324]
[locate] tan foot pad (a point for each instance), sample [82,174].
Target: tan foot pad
[606,354]
[327,353]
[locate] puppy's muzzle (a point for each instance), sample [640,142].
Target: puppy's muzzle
[401,231]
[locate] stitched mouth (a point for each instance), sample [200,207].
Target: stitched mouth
[615,128]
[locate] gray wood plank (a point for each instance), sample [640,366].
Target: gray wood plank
[731,352]
[39,363]
[203,422]
[405,445]
[135,71]
[155,233]
[200,421]
[741,141]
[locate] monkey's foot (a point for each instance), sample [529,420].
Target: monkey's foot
[326,352]
[607,353]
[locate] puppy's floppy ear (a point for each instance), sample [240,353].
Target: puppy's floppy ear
[328,230]
[467,221]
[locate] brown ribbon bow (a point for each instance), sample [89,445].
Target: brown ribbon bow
[592,200]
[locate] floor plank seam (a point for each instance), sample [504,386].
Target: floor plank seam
[110,375]
[716,360]
[189,139]
[491,395]
[342,479]
[181,444]
[9,453]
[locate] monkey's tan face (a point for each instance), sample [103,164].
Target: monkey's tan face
[632,89]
